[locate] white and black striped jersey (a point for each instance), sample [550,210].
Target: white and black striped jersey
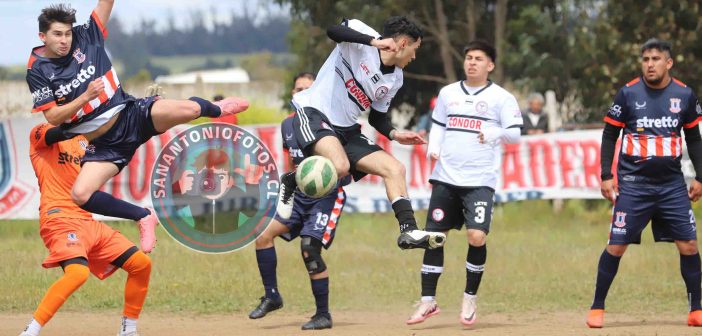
[351,81]
[462,115]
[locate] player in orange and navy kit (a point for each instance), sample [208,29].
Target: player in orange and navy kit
[75,86]
[76,242]
[653,110]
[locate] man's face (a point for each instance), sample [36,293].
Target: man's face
[407,51]
[477,65]
[655,65]
[535,106]
[302,83]
[57,39]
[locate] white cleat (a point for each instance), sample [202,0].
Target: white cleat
[425,310]
[468,309]
[286,195]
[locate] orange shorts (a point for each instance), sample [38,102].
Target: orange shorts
[68,238]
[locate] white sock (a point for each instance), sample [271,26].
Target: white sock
[33,328]
[428,298]
[468,296]
[128,325]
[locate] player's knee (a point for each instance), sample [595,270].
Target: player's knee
[477,238]
[688,247]
[80,195]
[312,255]
[264,241]
[616,250]
[77,273]
[342,167]
[396,169]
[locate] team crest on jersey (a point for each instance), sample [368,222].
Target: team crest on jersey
[620,220]
[437,215]
[79,56]
[381,92]
[481,107]
[72,236]
[675,105]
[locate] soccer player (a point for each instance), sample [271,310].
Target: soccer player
[74,84]
[315,221]
[363,73]
[654,110]
[76,242]
[472,118]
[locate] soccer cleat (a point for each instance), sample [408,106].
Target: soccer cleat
[318,321]
[420,239]
[595,318]
[468,310]
[266,306]
[425,310]
[147,231]
[232,105]
[694,318]
[286,195]
[132,333]
[25,333]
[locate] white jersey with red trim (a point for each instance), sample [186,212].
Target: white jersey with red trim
[462,113]
[351,81]
[58,81]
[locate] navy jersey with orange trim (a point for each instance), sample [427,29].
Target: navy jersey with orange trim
[58,81]
[653,120]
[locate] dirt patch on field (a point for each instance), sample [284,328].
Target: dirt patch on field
[355,323]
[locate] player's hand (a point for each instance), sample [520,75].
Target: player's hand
[434,156]
[95,88]
[609,190]
[695,191]
[387,44]
[489,135]
[252,173]
[408,138]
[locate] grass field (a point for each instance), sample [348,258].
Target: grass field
[538,261]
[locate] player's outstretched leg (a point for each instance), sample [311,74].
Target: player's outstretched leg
[432,267]
[606,271]
[311,249]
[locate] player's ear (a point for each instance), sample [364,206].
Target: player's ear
[42,37]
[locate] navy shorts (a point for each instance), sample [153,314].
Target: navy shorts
[315,217]
[311,125]
[133,128]
[452,207]
[667,206]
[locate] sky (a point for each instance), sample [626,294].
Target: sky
[19,29]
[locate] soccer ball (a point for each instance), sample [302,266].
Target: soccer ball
[316,176]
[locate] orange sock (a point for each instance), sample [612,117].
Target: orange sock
[139,268]
[73,277]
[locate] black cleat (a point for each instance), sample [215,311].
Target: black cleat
[318,321]
[420,239]
[266,306]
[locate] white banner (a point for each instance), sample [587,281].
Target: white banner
[551,166]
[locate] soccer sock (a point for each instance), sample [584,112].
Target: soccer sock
[33,328]
[105,204]
[432,267]
[207,109]
[692,274]
[475,264]
[404,214]
[73,277]
[138,266]
[606,271]
[129,325]
[267,263]
[320,289]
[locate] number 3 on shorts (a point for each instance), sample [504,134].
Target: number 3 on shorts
[479,214]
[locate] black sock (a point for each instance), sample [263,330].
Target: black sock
[207,109]
[103,203]
[432,266]
[692,275]
[404,214]
[475,264]
[320,289]
[606,271]
[267,263]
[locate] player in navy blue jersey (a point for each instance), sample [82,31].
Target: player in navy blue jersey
[315,221]
[653,110]
[74,84]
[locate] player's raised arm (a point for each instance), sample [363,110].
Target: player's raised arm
[56,115]
[103,10]
[343,33]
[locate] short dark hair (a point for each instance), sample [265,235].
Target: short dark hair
[483,46]
[400,25]
[304,74]
[654,43]
[62,13]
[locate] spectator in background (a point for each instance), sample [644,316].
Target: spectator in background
[230,119]
[535,121]
[424,123]
[302,81]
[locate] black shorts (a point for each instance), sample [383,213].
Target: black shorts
[133,128]
[452,207]
[310,125]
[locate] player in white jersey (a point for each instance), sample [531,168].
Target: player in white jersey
[472,118]
[363,73]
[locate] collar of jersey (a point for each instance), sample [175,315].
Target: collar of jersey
[463,87]
[385,69]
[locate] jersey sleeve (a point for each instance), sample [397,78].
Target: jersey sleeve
[438,116]
[618,112]
[693,113]
[42,95]
[93,31]
[37,136]
[510,114]
[360,27]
